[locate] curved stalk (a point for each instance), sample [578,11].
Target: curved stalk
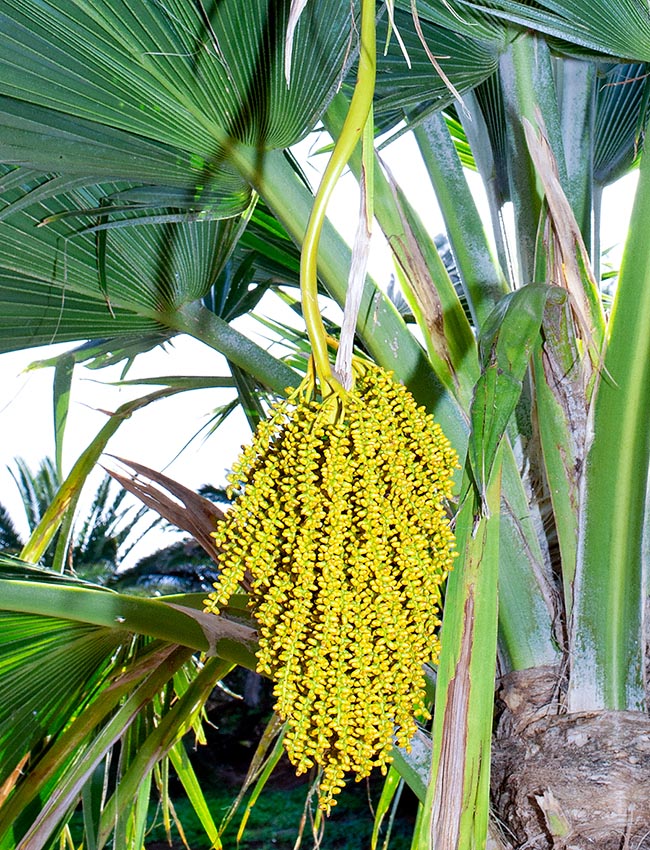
[355,121]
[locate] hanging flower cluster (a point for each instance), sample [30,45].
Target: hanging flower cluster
[341,533]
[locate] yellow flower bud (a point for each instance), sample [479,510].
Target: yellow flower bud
[341,531]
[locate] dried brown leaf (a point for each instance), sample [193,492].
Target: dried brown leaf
[173,501]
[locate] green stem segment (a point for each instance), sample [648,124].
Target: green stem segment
[355,122]
[607,630]
[458,795]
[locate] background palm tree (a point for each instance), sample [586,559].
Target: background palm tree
[100,542]
[104,539]
[141,136]
[10,539]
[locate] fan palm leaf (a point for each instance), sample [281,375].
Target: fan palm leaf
[55,647]
[195,77]
[621,119]
[620,29]
[82,682]
[466,59]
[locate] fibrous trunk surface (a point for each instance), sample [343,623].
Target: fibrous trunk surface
[568,781]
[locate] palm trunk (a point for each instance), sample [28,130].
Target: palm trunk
[577,781]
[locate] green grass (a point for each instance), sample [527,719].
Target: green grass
[232,733]
[275,819]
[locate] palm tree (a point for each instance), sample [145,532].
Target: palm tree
[10,539]
[151,142]
[108,533]
[102,541]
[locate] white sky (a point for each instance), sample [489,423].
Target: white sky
[155,435]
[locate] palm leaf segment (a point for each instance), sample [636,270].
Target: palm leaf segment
[113,112]
[35,651]
[186,75]
[616,27]
[137,109]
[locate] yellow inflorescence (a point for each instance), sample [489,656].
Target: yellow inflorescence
[341,531]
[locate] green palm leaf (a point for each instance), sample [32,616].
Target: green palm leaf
[73,686]
[621,118]
[42,141]
[457,16]
[192,76]
[61,282]
[32,315]
[38,138]
[466,60]
[155,95]
[105,717]
[615,27]
[154,268]
[34,652]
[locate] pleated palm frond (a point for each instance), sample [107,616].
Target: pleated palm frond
[619,28]
[191,77]
[113,116]
[87,674]
[621,119]
[466,60]
[35,652]
[458,16]
[61,282]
